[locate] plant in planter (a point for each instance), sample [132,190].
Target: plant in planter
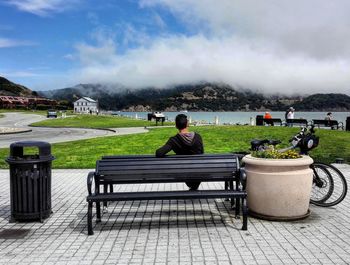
[272,153]
[278,184]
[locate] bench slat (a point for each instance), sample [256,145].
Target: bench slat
[173,171]
[166,167]
[168,195]
[160,161]
[164,177]
[144,157]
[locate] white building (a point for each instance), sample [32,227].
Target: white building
[86,105]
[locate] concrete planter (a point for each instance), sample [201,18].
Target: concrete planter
[278,189]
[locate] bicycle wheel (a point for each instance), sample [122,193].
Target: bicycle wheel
[322,184]
[340,187]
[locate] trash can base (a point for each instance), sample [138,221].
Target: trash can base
[30,216]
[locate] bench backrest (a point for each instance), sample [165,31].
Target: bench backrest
[175,168]
[297,121]
[273,121]
[325,122]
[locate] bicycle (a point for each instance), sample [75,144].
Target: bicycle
[329,185]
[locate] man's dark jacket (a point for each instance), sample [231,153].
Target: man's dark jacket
[182,144]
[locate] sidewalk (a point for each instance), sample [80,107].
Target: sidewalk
[167,232]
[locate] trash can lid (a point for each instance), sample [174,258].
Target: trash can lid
[16,149]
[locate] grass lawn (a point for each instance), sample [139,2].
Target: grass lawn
[217,139]
[93,121]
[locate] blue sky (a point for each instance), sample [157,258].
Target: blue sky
[271,46]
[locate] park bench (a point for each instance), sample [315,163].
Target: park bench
[334,124]
[300,122]
[272,121]
[142,169]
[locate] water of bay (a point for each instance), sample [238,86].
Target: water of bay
[236,117]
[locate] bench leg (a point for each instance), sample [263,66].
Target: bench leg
[105,190]
[98,212]
[89,219]
[226,188]
[237,207]
[245,214]
[232,187]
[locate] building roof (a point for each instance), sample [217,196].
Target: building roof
[87,99]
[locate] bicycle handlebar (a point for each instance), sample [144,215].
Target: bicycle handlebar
[305,139]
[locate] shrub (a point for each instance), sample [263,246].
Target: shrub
[274,154]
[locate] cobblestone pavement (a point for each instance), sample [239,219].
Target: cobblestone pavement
[167,232]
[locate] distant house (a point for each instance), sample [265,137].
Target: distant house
[86,105]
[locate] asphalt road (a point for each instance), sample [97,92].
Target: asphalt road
[51,135]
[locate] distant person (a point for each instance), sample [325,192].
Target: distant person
[290,116]
[183,143]
[267,115]
[328,118]
[268,118]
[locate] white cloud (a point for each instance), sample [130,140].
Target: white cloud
[7,43]
[42,7]
[273,46]
[179,60]
[317,28]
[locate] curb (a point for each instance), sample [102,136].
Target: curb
[102,129]
[23,131]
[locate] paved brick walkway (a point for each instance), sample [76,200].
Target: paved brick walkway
[167,232]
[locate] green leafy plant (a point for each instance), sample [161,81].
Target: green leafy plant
[274,154]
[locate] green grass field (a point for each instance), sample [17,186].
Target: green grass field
[93,121]
[217,139]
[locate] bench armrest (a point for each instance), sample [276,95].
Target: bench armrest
[90,178]
[242,177]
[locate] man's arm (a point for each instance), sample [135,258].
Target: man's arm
[201,143]
[162,151]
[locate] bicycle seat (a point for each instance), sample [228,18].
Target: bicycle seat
[255,144]
[274,142]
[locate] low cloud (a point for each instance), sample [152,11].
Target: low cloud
[179,60]
[271,46]
[42,7]
[8,43]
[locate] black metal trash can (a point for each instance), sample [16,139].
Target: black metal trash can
[347,124]
[30,181]
[259,120]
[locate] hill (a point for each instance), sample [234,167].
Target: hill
[197,97]
[8,88]
[325,102]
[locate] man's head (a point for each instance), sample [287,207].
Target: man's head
[181,121]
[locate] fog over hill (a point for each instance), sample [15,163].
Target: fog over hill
[201,96]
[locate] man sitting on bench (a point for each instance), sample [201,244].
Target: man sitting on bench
[183,143]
